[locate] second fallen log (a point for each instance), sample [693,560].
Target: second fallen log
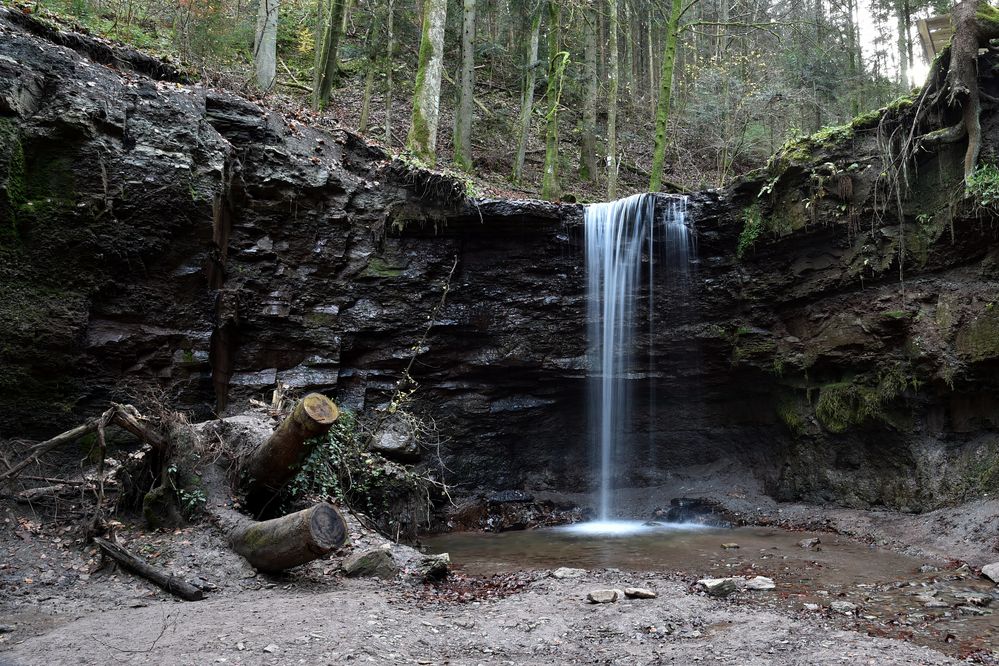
[277,460]
[288,541]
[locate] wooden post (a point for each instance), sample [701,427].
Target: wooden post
[277,460]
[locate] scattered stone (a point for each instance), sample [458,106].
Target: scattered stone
[241,646]
[811,607]
[810,544]
[603,596]
[973,610]
[6,628]
[718,587]
[976,598]
[843,607]
[271,649]
[639,593]
[567,572]
[935,603]
[924,599]
[928,568]
[991,571]
[730,546]
[376,562]
[760,584]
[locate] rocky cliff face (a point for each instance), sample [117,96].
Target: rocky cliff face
[161,236]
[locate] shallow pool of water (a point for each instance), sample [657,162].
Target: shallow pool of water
[889,589]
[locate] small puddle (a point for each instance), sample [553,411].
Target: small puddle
[892,595]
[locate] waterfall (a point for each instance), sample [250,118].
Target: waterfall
[621,236]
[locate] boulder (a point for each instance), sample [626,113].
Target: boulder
[991,571]
[717,587]
[396,440]
[374,562]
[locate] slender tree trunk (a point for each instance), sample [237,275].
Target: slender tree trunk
[265,47]
[371,66]
[326,70]
[466,89]
[816,104]
[527,91]
[557,61]
[665,94]
[389,65]
[612,82]
[588,145]
[422,139]
[903,50]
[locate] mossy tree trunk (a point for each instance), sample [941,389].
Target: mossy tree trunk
[665,95]
[326,56]
[557,60]
[466,89]
[422,139]
[265,44]
[527,88]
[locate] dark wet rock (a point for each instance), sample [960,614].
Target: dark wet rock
[482,513]
[509,497]
[698,510]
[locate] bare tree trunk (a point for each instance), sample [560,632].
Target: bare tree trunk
[612,76]
[389,63]
[527,91]
[422,140]
[588,145]
[466,90]
[265,44]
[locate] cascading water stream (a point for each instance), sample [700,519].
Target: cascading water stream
[620,237]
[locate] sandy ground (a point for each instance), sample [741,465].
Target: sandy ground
[366,621]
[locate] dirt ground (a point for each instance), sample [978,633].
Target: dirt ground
[58,605]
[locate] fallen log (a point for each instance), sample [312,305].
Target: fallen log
[288,541]
[276,544]
[140,567]
[276,461]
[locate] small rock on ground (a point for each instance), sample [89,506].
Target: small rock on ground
[568,572]
[811,543]
[604,596]
[760,584]
[991,571]
[639,593]
[843,607]
[718,587]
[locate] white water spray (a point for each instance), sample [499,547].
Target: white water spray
[620,236]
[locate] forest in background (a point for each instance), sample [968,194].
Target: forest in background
[562,98]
